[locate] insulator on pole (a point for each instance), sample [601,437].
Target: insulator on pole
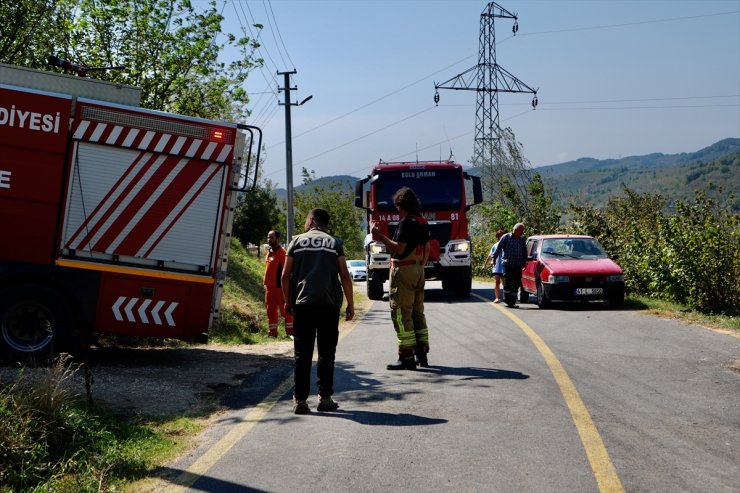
[515,28]
[436,98]
[534,102]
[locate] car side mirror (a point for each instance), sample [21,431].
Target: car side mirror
[614,257]
[532,257]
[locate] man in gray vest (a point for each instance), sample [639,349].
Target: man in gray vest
[314,277]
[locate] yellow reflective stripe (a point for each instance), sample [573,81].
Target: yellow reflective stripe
[134,271]
[601,464]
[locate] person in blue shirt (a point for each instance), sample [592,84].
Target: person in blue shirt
[498,267]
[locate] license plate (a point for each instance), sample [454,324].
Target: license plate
[582,291]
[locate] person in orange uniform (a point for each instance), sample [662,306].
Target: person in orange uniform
[274,301]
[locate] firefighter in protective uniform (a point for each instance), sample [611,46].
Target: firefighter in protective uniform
[410,250]
[274,301]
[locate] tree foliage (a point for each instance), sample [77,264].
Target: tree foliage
[513,192]
[257,212]
[32,30]
[690,256]
[346,219]
[169,48]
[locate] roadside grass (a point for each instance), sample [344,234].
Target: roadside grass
[52,440]
[242,318]
[667,309]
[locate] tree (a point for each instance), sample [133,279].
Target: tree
[168,48]
[32,30]
[346,219]
[511,182]
[256,214]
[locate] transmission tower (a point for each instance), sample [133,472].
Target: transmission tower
[488,79]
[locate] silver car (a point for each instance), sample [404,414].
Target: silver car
[357,270]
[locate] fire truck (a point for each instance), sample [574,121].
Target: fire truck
[443,188]
[114,218]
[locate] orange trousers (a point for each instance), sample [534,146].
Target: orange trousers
[274,303]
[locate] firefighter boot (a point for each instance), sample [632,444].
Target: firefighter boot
[405,361]
[421,355]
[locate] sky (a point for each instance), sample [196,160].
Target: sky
[613,78]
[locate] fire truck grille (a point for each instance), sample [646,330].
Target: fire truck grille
[440,231]
[152,123]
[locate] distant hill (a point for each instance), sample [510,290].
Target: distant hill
[343,181]
[589,180]
[675,176]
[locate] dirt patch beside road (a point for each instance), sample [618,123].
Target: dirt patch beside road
[166,382]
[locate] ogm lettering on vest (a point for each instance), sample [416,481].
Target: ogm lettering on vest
[31,120]
[317,242]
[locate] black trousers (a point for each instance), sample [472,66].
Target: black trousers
[512,283]
[320,324]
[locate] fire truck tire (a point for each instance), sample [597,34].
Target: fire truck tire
[463,286]
[374,289]
[34,322]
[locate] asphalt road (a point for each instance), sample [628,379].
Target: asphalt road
[580,398]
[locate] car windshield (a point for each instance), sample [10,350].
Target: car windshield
[437,189]
[578,248]
[355,263]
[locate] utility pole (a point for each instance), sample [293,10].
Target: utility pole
[488,79]
[289,149]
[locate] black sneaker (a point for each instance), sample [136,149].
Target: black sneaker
[405,363]
[301,407]
[421,360]
[327,404]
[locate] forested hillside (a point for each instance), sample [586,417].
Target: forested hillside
[593,181]
[675,176]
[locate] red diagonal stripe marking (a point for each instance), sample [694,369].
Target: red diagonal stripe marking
[86,223]
[185,208]
[162,207]
[124,218]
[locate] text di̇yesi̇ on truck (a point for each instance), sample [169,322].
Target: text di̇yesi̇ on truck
[114,218]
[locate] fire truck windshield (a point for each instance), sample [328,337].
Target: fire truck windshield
[437,189]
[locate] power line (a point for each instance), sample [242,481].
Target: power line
[344,115]
[278,33]
[272,31]
[627,24]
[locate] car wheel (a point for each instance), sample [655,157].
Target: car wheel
[35,323]
[542,300]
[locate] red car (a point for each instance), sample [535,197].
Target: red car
[568,268]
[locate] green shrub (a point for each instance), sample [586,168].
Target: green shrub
[691,256]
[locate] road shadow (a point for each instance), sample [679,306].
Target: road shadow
[208,484]
[468,373]
[373,418]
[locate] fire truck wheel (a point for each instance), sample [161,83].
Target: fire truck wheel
[374,289]
[34,322]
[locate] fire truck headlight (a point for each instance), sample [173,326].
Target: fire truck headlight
[463,246]
[377,248]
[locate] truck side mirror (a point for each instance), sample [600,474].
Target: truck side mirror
[477,190]
[360,201]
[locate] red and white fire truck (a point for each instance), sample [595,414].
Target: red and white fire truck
[113,218]
[443,189]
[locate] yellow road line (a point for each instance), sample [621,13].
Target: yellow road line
[198,468]
[598,457]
